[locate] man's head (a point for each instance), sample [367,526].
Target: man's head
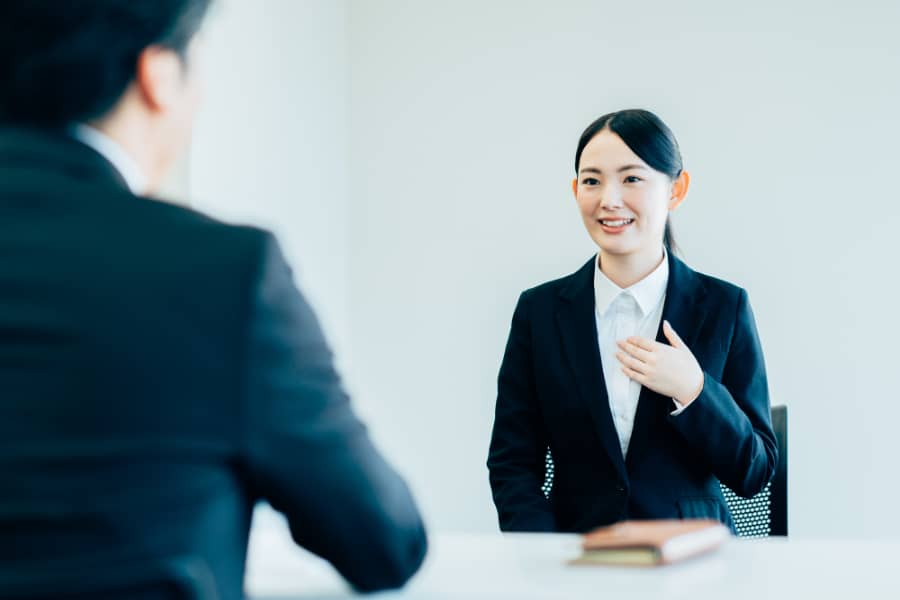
[127,67]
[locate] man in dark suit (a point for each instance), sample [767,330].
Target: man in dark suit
[159,372]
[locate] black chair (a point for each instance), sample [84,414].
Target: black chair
[184,578]
[763,515]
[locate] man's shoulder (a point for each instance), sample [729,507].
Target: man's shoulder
[179,220]
[193,233]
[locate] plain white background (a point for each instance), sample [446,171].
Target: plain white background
[415,158]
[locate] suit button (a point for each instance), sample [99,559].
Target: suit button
[620,489]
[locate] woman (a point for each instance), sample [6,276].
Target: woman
[643,378]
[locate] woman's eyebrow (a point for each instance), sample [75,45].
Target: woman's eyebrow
[619,170]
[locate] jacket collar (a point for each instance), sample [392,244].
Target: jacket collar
[55,150]
[575,318]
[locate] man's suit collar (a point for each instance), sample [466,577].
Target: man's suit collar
[55,150]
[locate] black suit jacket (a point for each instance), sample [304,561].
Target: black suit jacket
[551,393]
[159,375]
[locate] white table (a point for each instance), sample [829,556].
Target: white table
[526,566]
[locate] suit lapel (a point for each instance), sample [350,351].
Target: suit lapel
[578,330]
[683,308]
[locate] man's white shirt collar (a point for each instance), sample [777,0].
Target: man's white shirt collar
[114,153]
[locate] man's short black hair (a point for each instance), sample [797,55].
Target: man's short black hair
[66,61]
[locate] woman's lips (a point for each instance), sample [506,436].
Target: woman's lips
[615,225]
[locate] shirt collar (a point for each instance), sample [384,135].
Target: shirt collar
[112,151]
[648,292]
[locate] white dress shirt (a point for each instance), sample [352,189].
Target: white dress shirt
[114,153]
[621,313]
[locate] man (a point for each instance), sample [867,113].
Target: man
[159,371]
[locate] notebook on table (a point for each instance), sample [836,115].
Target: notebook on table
[650,543]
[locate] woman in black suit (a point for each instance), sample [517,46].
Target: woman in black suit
[643,378]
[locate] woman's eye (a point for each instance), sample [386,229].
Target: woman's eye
[632,179]
[589,181]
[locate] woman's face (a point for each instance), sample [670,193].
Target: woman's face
[623,202]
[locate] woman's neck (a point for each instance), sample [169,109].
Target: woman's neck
[626,270]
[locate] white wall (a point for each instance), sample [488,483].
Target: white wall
[270,147]
[415,157]
[464,120]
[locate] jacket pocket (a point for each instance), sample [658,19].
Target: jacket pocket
[705,508]
[700,508]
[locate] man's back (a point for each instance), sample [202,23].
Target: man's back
[159,375]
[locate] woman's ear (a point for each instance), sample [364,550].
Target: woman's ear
[679,189]
[575,187]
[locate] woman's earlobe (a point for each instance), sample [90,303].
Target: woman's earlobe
[679,189]
[575,186]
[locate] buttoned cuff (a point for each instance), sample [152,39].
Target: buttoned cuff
[679,408]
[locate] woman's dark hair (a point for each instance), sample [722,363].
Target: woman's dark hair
[65,61]
[649,138]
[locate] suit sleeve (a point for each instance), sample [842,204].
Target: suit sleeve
[309,455]
[730,422]
[519,442]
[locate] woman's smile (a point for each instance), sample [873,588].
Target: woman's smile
[615,226]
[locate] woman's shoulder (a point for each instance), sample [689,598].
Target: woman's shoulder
[718,287]
[565,285]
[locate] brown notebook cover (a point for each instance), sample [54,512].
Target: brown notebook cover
[648,543]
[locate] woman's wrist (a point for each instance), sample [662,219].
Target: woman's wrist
[692,394]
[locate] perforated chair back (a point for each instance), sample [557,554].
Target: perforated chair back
[185,578]
[752,516]
[763,515]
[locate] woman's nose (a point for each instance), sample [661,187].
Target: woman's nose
[611,200]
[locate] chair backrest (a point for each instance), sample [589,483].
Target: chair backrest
[184,578]
[763,515]
[780,481]
[766,513]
